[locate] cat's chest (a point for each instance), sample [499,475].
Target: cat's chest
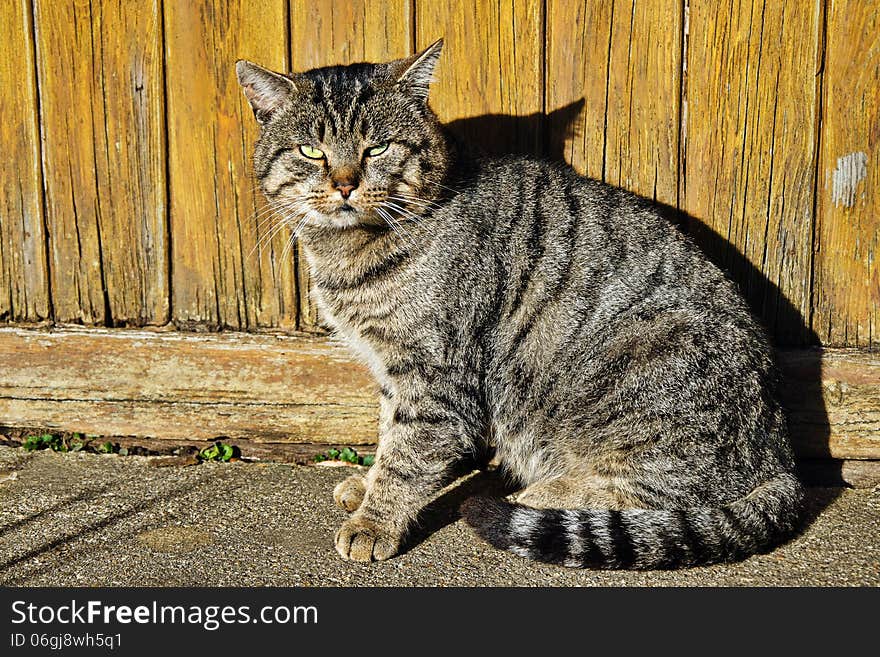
[372,326]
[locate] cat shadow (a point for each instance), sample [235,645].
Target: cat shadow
[443,510]
[539,134]
[797,346]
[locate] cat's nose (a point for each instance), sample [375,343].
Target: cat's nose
[346,181]
[345,188]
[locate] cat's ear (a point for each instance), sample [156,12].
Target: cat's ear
[415,74]
[265,90]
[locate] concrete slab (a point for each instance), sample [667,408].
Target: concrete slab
[90,520]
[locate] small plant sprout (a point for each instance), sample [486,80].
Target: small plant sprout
[219,451]
[346,455]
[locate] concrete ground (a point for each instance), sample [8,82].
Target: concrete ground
[89,520]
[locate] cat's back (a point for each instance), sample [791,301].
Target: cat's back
[561,254]
[542,215]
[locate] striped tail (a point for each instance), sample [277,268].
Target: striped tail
[642,538]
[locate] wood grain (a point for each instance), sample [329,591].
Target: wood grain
[748,151]
[102,100]
[833,401]
[295,389]
[847,257]
[72,118]
[491,67]
[130,159]
[623,58]
[221,278]
[185,386]
[330,32]
[24,282]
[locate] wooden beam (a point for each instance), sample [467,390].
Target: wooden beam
[185,386]
[292,389]
[833,402]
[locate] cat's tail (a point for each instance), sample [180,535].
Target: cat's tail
[642,538]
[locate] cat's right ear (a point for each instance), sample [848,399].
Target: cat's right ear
[265,90]
[415,74]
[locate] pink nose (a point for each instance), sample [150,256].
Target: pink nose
[346,189]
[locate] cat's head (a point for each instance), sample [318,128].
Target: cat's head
[348,145]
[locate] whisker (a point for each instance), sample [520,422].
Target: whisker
[422,203]
[395,226]
[280,214]
[266,239]
[403,211]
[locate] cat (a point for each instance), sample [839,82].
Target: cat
[618,374]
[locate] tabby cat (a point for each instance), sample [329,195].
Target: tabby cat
[509,302]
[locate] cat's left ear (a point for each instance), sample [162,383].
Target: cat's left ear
[415,74]
[265,90]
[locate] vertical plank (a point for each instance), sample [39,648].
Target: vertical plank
[749,164]
[847,267]
[644,89]
[130,158]
[69,89]
[24,281]
[578,35]
[224,274]
[490,79]
[623,58]
[101,99]
[329,32]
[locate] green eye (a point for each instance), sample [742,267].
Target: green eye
[311,152]
[378,149]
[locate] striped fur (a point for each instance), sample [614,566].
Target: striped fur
[510,304]
[641,538]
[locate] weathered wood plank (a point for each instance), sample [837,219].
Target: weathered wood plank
[833,401]
[130,159]
[624,59]
[101,95]
[192,386]
[847,248]
[24,279]
[492,64]
[327,423]
[276,388]
[220,276]
[578,37]
[71,116]
[748,152]
[329,32]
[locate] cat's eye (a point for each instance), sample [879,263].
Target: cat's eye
[311,152]
[378,149]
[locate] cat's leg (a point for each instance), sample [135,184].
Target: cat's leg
[576,491]
[349,493]
[417,454]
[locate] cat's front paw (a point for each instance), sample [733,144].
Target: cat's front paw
[359,539]
[349,493]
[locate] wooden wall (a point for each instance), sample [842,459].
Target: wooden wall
[127,197]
